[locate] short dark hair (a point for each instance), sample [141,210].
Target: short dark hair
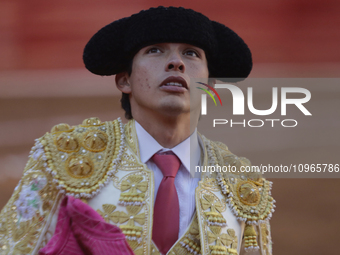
[125,100]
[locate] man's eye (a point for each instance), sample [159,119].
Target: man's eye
[191,53]
[154,50]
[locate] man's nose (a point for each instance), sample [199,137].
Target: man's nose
[175,63]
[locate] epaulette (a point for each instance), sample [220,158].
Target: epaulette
[247,193]
[82,158]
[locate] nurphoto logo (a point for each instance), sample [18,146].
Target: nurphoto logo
[239,104]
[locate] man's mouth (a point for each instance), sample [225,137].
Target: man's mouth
[175,81]
[173,84]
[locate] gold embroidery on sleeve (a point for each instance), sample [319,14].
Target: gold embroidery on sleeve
[81,169]
[218,241]
[190,242]
[133,190]
[266,238]
[248,195]
[108,213]
[214,216]
[25,215]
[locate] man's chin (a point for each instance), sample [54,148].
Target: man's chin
[174,110]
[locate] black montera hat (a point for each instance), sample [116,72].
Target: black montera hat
[110,50]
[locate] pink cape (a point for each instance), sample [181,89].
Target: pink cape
[82,231]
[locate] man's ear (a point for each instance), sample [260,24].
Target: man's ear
[122,82]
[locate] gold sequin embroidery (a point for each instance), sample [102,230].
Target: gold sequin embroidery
[95,141]
[79,167]
[248,193]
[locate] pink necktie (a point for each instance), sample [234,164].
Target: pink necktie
[166,210]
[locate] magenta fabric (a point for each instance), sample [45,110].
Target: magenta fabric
[166,211]
[81,230]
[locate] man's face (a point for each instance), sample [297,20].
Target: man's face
[160,78]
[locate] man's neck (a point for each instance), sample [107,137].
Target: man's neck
[168,131]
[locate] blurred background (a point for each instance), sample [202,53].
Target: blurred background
[43,82]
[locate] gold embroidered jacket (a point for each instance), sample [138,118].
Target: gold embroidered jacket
[99,163]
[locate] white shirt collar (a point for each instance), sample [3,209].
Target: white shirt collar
[148,146]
